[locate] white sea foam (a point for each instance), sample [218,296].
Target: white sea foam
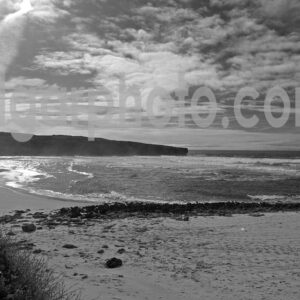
[18,173]
[274,198]
[71,169]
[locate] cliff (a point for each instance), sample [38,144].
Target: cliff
[62,145]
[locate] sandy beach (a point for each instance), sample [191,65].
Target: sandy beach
[13,199]
[239,257]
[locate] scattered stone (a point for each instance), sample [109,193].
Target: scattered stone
[256,215]
[68,267]
[121,210]
[20,212]
[28,227]
[121,251]
[75,212]
[113,263]
[39,215]
[100,251]
[6,219]
[11,233]
[37,251]
[69,246]
[84,277]
[105,247]
[52,223]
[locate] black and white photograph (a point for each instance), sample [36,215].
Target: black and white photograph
[149,149]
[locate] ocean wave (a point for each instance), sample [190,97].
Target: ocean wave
[71,169]
[29,173]
[275,198]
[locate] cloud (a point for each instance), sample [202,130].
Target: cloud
[11,29]
[224,45]
[283,15]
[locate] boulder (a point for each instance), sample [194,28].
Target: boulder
[69,246]
[28,227]
[113,263]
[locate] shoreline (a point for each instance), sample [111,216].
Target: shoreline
[20,199]
[12,199]
[168,251]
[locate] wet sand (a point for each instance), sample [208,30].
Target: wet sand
[12,199]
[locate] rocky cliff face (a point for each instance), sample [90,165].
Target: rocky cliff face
[62,145]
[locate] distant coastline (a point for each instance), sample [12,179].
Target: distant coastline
[64,145]
[283,154]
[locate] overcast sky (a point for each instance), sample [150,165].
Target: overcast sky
[223,45]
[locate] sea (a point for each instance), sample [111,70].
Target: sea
[198,177]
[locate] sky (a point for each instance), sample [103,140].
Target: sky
[55,54]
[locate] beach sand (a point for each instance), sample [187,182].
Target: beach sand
[12,199]
[239,257]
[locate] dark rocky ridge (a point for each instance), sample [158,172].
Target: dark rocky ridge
[80,215]
[62,145]
[119,210]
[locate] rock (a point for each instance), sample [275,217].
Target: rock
[105,247]
[84,277]
[37,251]
[28,227]
[52,223]
[121,251]
[68,267]
[100,251]
[20,212]
[75,212]
[113,263]
[39,215]
[69,246]
[11,233]
[256,215]
[6,219]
